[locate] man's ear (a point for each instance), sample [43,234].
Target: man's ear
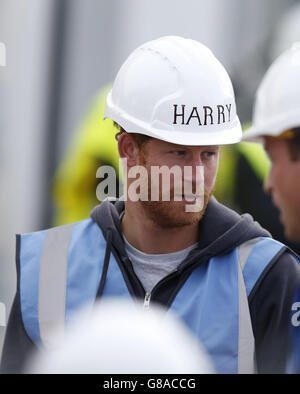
[128,149]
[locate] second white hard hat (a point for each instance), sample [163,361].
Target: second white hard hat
[277,102]
[176,90]
[119,337]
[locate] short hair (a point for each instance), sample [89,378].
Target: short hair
[140,139]
[293,144]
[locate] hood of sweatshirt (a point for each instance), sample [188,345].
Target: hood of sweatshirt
[220,229]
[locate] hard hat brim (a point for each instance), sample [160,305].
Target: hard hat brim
[225,137]
[192,138]
[230,135]
[254,135]
[274,128]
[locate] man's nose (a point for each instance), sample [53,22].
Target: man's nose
[195,171]
[196,160]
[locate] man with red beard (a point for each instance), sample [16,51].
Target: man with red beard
[171,210]
[219,272]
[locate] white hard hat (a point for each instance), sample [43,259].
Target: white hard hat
[176,90]
[277,102]
[119,337]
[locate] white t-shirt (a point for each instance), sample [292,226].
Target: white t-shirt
[151,268]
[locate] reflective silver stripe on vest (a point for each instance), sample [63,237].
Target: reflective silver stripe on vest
[246,352]
[52,284]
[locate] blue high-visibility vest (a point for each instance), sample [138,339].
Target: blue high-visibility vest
[60,270]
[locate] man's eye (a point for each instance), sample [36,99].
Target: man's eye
[178,152]
[209,154]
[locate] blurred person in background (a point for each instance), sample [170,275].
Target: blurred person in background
[75,182]
[277,125]
[220,272]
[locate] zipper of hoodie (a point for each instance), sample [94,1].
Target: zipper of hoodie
[178,271]
[149,295]
[147,301]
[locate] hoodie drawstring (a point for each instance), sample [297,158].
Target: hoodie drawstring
[105,264]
